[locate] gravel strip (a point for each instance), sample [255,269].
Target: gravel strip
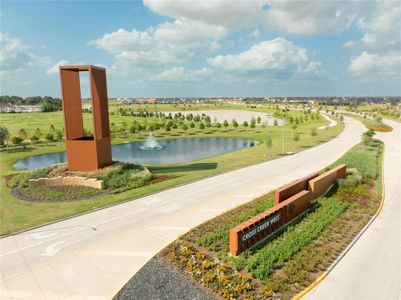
[157,281]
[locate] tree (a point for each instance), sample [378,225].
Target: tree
[192,125]
[235,123]
[275,123]
[185,127]
[201,126]
[16,140]
[259,120]
[22,134]
[225,123]
[34,138]
[4,135]
[245,124]
[253,122]
[38,133]
[269,141]
[218,125]
[59,135]
[52,129]
[49,137]
[294,127]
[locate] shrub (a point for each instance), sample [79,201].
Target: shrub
[16,140]
[124,175]
[353,178]
[49,137]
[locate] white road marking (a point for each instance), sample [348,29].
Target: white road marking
[41,236]
[52,249]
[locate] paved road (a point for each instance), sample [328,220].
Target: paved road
[94,255]
[372,268]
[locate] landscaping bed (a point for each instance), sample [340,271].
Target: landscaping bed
[116,178]
[293,258]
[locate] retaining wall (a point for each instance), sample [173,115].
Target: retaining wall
[67,180]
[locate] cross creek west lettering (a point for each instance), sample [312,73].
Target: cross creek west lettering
[260,227]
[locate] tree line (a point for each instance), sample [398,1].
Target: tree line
[47,103]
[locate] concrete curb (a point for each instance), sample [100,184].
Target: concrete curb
[301,294]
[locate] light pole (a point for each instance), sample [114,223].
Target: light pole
[282,138]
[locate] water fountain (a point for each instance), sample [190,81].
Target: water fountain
[151,143]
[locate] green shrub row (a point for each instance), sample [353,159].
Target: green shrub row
[278,251]
[217,240]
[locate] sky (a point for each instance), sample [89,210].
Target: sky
[214,48]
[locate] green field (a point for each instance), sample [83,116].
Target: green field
[17,214]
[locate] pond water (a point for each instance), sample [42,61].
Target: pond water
[173,151]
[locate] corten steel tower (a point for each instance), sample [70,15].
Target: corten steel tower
[85,153]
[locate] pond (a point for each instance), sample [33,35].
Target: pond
[172,151]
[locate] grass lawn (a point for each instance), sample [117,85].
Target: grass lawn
[18,214]
[374,124]
[290,260]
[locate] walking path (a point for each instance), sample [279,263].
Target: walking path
[94,255]
[332,122]
[372,267]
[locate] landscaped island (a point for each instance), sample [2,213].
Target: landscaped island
[292,258]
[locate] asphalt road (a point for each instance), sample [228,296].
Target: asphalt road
[94,255]
[372,267]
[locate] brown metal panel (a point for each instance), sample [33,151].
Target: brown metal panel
[85,154]
[103,149]
[71,101]
[100,111]
[81,155]
[293,188]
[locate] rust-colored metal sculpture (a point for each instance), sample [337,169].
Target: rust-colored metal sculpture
[85,153]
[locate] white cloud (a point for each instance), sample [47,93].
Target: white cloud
[54,69]
[168,43]
[285,16]
[310,17]
[180,74]
[255,33]
[273,58]
[227,13]
[375,64]
[380,23]
[14,55]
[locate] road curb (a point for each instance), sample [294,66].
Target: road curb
[301,294]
